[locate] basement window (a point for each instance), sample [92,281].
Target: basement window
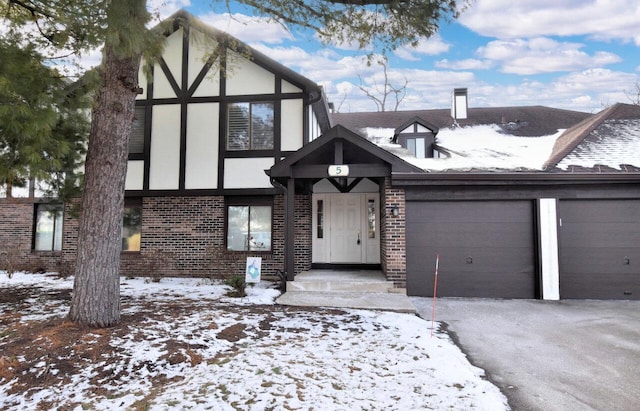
[48,227]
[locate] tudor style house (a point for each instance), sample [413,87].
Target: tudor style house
[234,155]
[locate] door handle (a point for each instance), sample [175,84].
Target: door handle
[358,242]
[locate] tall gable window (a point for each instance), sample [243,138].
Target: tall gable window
[250,126]
[136,139]
[48,227]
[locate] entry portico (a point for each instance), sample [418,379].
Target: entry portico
[348,178]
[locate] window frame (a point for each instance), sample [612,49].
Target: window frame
[131,203]
[250,139]
[141,124]
[247,202]
[57,222]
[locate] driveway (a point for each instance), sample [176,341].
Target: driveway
[550,355]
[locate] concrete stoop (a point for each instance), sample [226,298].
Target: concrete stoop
[361,289]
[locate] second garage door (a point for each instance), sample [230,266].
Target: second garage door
[486,248]
[600,249]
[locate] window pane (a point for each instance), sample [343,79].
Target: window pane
[320,219]
[260,228]
[262,126]
[237,228]
[372,218]
[420,151]
[131,228]
[136,140]
[238,127]
[48,232]
[411,145]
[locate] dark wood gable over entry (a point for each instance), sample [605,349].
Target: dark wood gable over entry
[337,147]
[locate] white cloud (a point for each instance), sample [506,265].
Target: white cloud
[542,55]
[164,8]
[602,19]
[587,90]
[429,47]
[248,28]
[466,64]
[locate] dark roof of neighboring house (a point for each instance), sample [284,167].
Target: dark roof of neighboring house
[526,121]
[609,140]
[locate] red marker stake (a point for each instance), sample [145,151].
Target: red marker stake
[435,288]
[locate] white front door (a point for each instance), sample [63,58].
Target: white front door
[346,228]
[346,241]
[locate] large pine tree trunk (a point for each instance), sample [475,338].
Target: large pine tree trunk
[96,295]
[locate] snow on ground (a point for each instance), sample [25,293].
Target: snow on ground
[281,358]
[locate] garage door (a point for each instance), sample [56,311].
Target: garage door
[486,249]
[600,249]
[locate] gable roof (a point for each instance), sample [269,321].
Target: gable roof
[412,121]
[527,121]
[609,139]
[355,149]
[317,98]
[418,120]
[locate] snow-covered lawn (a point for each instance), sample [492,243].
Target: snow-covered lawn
[182,344]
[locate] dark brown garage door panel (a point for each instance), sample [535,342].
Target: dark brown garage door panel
[600,249]
[486,249]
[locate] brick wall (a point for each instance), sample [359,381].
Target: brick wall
[303,233]
[181,236]
[393,242]
[16,237]
[185,236]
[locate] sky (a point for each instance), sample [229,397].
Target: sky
[572,54]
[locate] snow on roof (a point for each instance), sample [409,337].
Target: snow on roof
[481,147]
[614,143]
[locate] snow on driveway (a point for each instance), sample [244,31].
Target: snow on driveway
[188,346]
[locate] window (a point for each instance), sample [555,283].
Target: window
[136,139]
[131,226]
[249,227]
[416,147]
[371,218]
[48,227]
[250,126]
[320,219]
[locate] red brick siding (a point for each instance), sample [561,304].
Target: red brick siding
[185,236]
[303,233]
[393,248]
[16,236]
[181,236]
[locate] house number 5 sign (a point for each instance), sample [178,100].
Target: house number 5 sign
[339,171]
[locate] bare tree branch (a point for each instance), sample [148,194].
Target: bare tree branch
[634,94]
[379,94]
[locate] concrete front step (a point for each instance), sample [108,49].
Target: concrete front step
[370,301]
[339,286]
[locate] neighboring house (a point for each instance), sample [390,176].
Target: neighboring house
[513,213]
[241,157]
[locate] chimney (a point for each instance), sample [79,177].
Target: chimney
[459,104]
